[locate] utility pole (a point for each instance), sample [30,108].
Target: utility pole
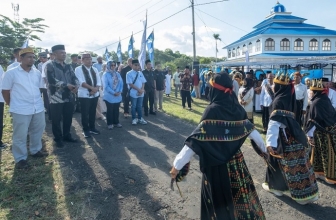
[195,62]
[15,7]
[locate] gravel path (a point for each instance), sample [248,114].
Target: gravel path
[124,174]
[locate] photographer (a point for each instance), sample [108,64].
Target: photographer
[186,81]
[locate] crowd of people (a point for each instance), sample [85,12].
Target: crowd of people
[300,126]
[96,90]
[299,121]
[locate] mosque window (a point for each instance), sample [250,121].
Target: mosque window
[233,52]
[326,45]
[298,44]
[249,47]
[244,49]
[229,54]
[285,45]
[269,44]
[238,51]
[313,45]
[258,46]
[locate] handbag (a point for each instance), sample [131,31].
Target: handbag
[129,90]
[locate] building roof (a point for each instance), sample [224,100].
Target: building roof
[282,23]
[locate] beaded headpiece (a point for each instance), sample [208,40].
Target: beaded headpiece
[282,78]
[316,85]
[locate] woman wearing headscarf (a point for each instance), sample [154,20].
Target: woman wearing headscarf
[321,132]
[113,86]
[101,106]
[288,148]
[228,191]
[245,97]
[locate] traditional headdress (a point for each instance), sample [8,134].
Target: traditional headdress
[26,50]
[282,78]
[86,55]
[316,85]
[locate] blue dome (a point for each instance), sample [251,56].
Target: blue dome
[278,8]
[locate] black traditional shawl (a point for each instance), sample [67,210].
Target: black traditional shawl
[248,84]
[223,127]
[321,112]
[88,78]
[269,91]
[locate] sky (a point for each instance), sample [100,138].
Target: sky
[94,25]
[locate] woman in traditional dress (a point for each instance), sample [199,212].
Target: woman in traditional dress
[113,86]
[245,97]
[168,83]
[101,107]
[288,148]
[257,91]
[321,131]
[228,191]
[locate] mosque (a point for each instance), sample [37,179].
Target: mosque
[284,39]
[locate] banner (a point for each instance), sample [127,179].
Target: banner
[107,55]
[119,53]
[150,47]
[142,54]
[130,47]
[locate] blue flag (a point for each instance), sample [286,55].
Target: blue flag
[150,47]
[107,55]
[142,54]
[25,44]
[119,54]
[130,47]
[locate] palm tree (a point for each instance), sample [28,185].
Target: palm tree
[216,36]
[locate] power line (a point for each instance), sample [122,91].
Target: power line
[208,3]
[147,28]
[222,21]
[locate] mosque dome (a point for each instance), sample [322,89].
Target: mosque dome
[278,8]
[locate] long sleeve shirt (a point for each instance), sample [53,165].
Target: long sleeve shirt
[82,91]
[265,98]
[186,153]
[273,133]
[235,87]
[301,94]
[332,97]
[113,84]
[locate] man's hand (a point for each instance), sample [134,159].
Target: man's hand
[173,172]
[71,87]
[117,94]
[75,90]
[94,90]
[303,112]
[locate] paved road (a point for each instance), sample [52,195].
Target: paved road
[123,174]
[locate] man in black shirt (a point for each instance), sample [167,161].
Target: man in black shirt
[149,88]
[160,82]
[126,99]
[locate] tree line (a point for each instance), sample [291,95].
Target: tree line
[13,34]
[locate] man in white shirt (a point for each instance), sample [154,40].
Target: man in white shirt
[331,92]
[177,82]
[2,145]
[43,58]
[301,98]
[99,64]
[266,98]
[16,52]
[88,94]
[21,91]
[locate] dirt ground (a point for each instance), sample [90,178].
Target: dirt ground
[124,174]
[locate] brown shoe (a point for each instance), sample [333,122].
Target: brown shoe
[40,154]
[22,164]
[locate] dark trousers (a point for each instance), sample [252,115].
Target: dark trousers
[44,93]
[112,113]
[207,90]
[1,120]
[59,111]
[186,96]
[298,113]
[126,101]
[149,96]
[265,117]
[88,112]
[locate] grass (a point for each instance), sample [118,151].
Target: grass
[43,191]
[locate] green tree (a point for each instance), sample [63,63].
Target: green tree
[14,34]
